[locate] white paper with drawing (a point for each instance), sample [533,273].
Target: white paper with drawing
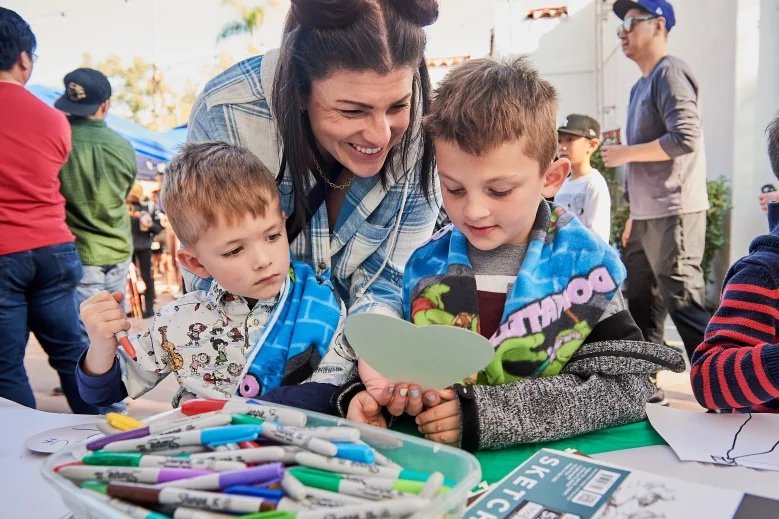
[431,356]
[747,440]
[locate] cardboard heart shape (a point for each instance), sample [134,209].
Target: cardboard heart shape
[432,356]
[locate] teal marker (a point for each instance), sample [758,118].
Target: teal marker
[355,452]
[134,459]
[366,487]
[309,459]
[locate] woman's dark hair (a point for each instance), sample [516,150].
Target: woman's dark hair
[15,37]
[321,36]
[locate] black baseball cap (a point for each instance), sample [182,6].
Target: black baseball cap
[581,125]
[85,90]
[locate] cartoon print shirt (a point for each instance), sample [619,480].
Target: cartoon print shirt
[209,340]
[589,200]
[564,285]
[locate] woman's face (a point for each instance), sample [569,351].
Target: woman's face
[357,117]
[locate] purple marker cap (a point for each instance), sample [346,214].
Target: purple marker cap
[251,475]
[166,475]
[140,432]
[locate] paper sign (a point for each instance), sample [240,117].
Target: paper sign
[55,439]
[432,356]
[744,439]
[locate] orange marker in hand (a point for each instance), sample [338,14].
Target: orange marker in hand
[126,344]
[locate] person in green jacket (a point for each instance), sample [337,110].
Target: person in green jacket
[95,182]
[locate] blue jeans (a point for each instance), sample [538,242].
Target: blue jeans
[94,278]
[38,294]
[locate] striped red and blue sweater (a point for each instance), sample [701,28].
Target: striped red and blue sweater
[736,366]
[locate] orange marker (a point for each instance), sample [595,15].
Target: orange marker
[126,344]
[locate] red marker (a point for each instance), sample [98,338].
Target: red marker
[126,344]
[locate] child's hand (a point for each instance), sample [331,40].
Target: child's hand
[399,398]
[441,423]
[364,409]
[433,398]
[103,317]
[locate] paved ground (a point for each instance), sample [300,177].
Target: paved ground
[43,378]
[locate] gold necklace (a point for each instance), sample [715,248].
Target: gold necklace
[324,177]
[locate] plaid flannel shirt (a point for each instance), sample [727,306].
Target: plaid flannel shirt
[377,229]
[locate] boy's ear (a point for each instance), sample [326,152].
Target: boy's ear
[594,143]
[554,177]
[190,261]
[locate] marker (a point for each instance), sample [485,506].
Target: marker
[197,437]
[432,486]
[146,494]
[133,475]
[369,510]
[122,421]
[132,459]
[176,426]
[276,514]
[183,512]
[309,459]
[285,454]
[333,434]
[290,436]
[134,511]
[237,405]
[355,452]
[367,488]
[126,344]
[248,490]
[218,480]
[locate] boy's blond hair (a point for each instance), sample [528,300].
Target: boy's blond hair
[484,103]
[210,182]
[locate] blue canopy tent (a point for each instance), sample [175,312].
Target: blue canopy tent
[151,149]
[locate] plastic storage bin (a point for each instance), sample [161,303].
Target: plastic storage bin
[408,451]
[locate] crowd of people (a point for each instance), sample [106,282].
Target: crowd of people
[310,190]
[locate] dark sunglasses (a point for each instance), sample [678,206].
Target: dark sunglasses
[629,21]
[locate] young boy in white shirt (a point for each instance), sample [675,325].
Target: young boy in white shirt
[585,192]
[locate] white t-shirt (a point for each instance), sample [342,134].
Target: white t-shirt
[589,199]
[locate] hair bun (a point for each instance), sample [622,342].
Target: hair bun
[420,12]
[326,14]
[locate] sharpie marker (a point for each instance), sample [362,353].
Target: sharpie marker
[134,511]
[122,422]
[333,434]
[183,512]
[127,344]
[149,495]
[133,475]
[176,426]
[218,480]
[132,459]
[367,488]
[266,412]
[290,436]
[248,490]
[252,456]
[209,436]
[370,510]
[309,459]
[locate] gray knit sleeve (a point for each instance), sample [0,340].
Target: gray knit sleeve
[608,386]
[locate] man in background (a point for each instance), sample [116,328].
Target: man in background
[39,265]
[95,182]
[666,179]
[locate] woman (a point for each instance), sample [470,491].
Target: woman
[337,112]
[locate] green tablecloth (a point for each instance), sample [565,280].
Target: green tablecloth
[496,464]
